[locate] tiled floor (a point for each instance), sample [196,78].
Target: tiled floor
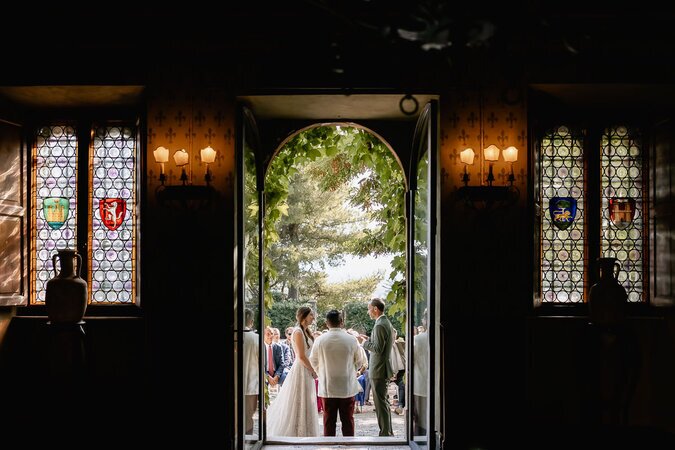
[339,442]
[365,421]
[335,446]
[366,434]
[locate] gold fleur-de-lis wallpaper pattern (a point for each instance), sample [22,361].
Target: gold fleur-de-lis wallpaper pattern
[504,123]
[191,117]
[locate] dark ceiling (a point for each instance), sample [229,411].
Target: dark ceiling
[382,43]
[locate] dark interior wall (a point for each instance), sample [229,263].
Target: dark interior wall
[506,369]
[171,366]
[188,262]
[521,372]
[485,269]
[562,372]
[73,385]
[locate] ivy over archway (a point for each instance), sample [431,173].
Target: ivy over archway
[337,157]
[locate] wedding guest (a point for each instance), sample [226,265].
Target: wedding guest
[293,413]
[286,352]
[251,358]
[274,358]
[361,374]
[335,356]
[398,363]
[289,343]
[380,370]
[421,368]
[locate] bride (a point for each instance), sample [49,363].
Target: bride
[293,412]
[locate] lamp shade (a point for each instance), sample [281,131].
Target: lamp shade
[491,153]
[208,155]
[467,155]
[161,155]
[510,154]
[181,157]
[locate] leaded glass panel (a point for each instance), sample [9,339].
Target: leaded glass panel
[113,243]
[54,193]
[622,172]
[562,250]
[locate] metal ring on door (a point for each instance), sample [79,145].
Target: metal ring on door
[409,98]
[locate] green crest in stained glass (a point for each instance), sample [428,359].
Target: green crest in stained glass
[56,211]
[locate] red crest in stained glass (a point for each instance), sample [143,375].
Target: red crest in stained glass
[113,211]
[621,211]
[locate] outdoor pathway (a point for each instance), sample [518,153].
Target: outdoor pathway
[365,422]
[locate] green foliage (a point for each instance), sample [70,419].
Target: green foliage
[338,160]
[356,314]
[356,317]
[421,244]
[311,232]
[336,295]
[282,314]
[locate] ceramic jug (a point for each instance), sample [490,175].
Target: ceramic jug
[607,299]
[66,296]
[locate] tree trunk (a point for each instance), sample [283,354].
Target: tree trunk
[292,292]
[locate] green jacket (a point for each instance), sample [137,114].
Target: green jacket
[379,346]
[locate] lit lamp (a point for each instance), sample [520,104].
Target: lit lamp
[161,155]
[491,154]
[182,158]
[466,156]
[208,156]
[511,156]
[487,195]
[185,195]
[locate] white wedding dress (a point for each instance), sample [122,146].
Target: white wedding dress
[294,411]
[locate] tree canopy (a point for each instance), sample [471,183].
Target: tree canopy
[332,191]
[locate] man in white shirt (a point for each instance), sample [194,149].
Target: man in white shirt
[336,356]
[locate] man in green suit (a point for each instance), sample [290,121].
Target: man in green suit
[379,367]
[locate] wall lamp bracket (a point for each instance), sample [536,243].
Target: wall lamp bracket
[486,195]
[185,195]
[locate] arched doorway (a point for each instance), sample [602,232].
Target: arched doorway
[413,141]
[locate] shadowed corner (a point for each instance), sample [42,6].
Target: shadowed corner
[5,319]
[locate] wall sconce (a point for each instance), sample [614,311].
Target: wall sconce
[208,156]
[182,159]
[185,194]
[487,194]
[161,155]
[466,156]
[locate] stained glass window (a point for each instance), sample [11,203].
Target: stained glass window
[622,206]
[562,245]
[109,212]
[54,187]
[113,165]
[613,167]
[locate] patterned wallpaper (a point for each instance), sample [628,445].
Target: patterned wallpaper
[504,124]
[191,117]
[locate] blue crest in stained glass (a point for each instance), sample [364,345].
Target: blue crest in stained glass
[563,210]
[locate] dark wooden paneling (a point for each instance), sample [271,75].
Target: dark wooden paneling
[663,217]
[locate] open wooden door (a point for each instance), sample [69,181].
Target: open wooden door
[248,304]
[422,213]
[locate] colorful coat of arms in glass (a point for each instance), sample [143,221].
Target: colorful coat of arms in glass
[621,211]
[56,211]
[563,210]
[112,212]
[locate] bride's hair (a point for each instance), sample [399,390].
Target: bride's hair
[300,315]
